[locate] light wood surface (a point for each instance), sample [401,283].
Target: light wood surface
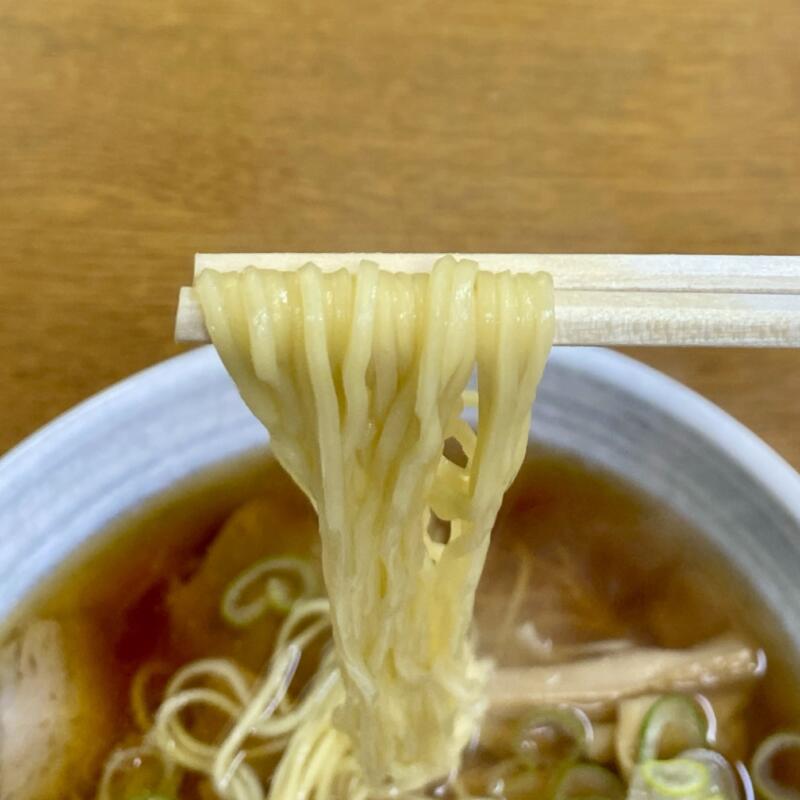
[135,134]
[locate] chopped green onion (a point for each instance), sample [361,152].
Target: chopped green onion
[278,592]
[697,774]
[776,767]
[677,778]
[552,735]
[674,723]
[724,785]
[587,781]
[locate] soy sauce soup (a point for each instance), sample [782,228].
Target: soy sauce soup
[581,567]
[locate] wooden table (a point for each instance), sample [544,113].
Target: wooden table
[137,132]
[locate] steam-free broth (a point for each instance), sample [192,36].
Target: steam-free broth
[577,558]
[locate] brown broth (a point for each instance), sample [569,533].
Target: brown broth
[595,550]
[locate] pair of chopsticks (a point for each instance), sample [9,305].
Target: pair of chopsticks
[678,300]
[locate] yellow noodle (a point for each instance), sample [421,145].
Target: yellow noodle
[359,379]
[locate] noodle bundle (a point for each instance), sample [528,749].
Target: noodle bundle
[360,379]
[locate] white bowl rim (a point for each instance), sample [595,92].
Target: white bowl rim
[642,382]
[60,441]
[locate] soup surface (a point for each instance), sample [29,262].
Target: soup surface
[580,566]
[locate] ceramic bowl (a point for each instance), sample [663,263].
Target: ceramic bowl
[66,483]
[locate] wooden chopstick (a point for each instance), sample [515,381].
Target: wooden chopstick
[591,272]
[683,300]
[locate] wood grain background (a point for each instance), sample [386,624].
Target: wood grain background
[134,133]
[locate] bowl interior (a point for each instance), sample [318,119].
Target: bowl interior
[67,483]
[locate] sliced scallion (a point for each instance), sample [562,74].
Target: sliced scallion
[677,778]
[775,768]
[673,724]
[724,784]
